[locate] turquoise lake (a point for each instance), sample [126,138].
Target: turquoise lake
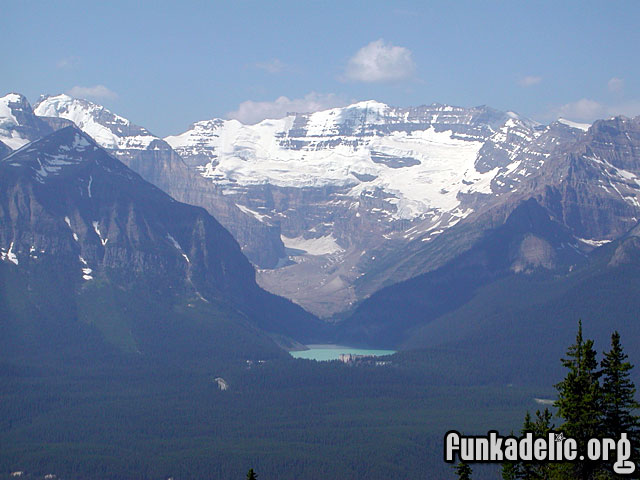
[332,352]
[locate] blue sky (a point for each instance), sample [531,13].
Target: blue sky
[165,65]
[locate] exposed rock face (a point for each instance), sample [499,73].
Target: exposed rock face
[335,205]
[626,252]
[533,252]
[159,164]
[593,187]
[65,201]
[4,150]
[18,123]
[369,181]
[528,241]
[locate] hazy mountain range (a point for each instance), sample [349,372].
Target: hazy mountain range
[334,206]
[131,270]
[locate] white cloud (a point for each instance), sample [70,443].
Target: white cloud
[97,91]
[380,62]
[272,66]
[583,109]
[529,81]
[588,110]
[616,85]
[251,112]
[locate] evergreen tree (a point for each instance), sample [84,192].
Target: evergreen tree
[541,428]
[579,402]
[463,470]
[618,396]
[251,475]
[527,469]
[510,471]
[618,392]
[530,470]
[513,470]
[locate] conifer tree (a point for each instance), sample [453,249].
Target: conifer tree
[579,401]
[251,475]
[513,470]
[526,468]
[618,391]
[618,396]
[510,471]
[540,427]
[463,470]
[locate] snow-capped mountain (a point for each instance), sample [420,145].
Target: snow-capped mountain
[369,195]
[18,123]
[358,149]
[350,185]
[109,130]
[85,241]
[159,164]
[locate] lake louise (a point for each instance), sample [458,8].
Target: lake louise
[333,352]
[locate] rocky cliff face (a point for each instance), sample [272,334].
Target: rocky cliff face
[593,187]
[333,206]
[69,209]
[4,150]
[159,164]
[360,191]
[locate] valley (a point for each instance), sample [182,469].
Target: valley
[136,272]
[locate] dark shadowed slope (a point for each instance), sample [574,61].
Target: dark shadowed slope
[95,259]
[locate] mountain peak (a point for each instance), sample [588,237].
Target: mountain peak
[13,98]
[369,104]
[57,154]
[109,130]
[18,123]
[60,97]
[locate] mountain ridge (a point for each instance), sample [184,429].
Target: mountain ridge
[99,248]
[313,195]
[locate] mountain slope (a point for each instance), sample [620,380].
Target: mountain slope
[87,244]
[352,186]
[520,325]
[511,303]
[18,123]
[528,241]
[335,205]
[159,164]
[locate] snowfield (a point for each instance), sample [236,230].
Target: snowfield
[423,169]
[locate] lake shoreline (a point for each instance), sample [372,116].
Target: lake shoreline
[328,352]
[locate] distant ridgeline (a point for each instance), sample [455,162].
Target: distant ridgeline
[135,341]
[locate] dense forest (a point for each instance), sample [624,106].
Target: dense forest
[284,418]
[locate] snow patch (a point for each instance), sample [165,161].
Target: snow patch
[96,228]
[9,255]
[258,216]
[86,271]
[178,247]
[581,126]
[593,242]
[313,246]
[8,122]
